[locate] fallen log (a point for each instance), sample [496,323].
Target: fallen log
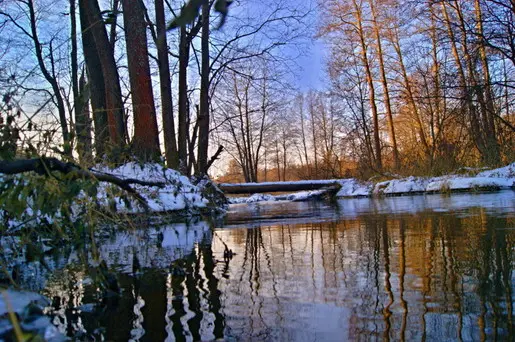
[267,187]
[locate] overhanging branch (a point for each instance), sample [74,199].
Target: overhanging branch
[45,165]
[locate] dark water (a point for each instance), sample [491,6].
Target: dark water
[407,268]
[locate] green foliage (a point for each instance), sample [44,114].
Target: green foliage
[39,201]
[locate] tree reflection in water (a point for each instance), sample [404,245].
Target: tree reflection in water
[402,276]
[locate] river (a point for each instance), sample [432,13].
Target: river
[430,267]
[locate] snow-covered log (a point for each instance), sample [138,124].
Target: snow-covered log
[252,188]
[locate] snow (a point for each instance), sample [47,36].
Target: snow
[354,188]
[498,179]
[177,194]
[466,183]
[504,172]
[400,186]
[304,195]
[252,199]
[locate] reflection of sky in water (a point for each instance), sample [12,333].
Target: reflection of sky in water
[498,202]
[423,267]
[276,212]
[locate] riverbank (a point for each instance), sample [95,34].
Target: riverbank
[470,181]
[62,199]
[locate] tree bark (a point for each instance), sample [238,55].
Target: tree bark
[80,95]
[95,81]
[184,56]
[146,137]
[170,141]
[112,30]
[114,103]
[384,82]
[203,118]
[83,121]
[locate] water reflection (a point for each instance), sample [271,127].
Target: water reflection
[430,275]
[420,274]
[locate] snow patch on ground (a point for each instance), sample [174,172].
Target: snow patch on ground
[400,186]
[354,188]
[466,183]
[497,179]
[178,193]
[503,172]
[252,199]
[305,195]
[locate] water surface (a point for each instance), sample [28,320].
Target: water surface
[406,268]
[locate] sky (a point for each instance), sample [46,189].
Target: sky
[313,67]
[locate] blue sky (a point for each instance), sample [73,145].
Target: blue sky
[313,67]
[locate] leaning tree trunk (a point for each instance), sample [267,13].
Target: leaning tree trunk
[474,128]
[113,93]
[146,139]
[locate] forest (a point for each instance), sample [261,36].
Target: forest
[409,87]
[124,123]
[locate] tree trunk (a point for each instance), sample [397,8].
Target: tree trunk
[439,108]
[277,187]
[493,151]
[184,56]
[313,131]
[467,98]
[370,82]
[171,153]
[277,160]
[80,95]
[83,121]
[384,82]
[203,118]
[112,31]
[146,136]
[95,81]
[73,61]
[303,133]
[114,103]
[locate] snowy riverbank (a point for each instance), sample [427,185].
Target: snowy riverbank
[497,179]
[31,199]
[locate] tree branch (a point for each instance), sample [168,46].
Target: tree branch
[45,165]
